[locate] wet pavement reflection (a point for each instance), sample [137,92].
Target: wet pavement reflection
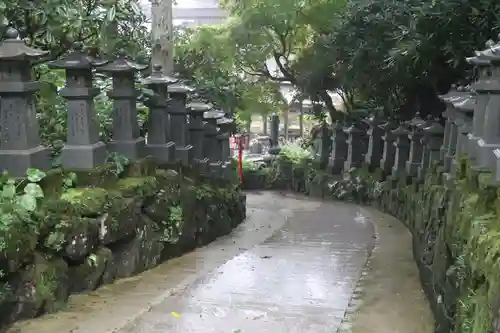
[298,280]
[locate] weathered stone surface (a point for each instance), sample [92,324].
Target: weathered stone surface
[81,237]
[121,220]
[86,201]
[87,275]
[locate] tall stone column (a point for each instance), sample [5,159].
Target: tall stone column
[20,147]
[226,126]
[355,149]
[159,144]
[375,143]
[324,146]
[178,122]
[389,155]
[126,140]
[339,150]
[196,133]
[465,110]
[83,149]
[402,144]
[489,142]
[275,133]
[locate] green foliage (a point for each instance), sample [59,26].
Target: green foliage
[295,153]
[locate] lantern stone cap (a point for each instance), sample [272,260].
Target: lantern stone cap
[13,48]
[77,59]
[400,130]
[388,125]
[435,128]
[199,106]
[121,64]
[180,88]
[416,120]
[158,78]
[353,129]
[213,114]
[492,51]
[478,61]
[224,121]
[467,103]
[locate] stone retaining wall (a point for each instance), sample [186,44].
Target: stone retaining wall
[109,227]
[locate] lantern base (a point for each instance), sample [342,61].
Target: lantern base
[184,155]
[164,152]
[16,162]
[84,157]
[133,149]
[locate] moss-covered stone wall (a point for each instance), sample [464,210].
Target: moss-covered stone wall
[455,222]
[95,227]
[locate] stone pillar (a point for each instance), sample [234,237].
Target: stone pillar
[275,132]
[481,89]
[415,137]
[20,147]
[158,143]
[196,134]
[464,110]
[389,155]
[325,146]
[178,122]
[126,140]
[433,139]
[355,148]
[339,150]
[83,149]
[448,100]
[490,137]
[402,144]
[225,128]
[213,149]
[375,143]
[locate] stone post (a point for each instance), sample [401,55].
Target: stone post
[433,139]
[415,137]
[275,132]
[178,122]
[402,144]
[389,155]
[325,146]
[225,128]
[83,149]
[20,147]
[339,150]
[355,148]
[448,99]
[465,110]
[482,91]
[213,149]
[158,143]
[375,143]
[126,139]
[490,137]
[196,135]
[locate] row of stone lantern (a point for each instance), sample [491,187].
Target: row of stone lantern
[410,148]
[177,132]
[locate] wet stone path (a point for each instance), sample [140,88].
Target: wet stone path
[299,280]
[292,266]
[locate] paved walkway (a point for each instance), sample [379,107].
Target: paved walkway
[292,267]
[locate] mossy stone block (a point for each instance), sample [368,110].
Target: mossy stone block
[88,201]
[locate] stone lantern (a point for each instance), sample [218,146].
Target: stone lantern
[490,136]
[213,150]
[463,124]
[126,139]
[415,136]
[226,126]
[159,144]
[387,161]
[196,132]
[20,147]
[480,88]
[433,139]
[178,121]
[355,149]
[339,150]
[83,149]
[375,143]
[402,144]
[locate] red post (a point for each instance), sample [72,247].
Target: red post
[240,158]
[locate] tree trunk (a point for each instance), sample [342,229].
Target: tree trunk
[162,34]
[285,123]
[264,123]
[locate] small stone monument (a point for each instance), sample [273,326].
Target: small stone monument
[213,149]
[402,144]
[196,109]
[178,122]
[339,150]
